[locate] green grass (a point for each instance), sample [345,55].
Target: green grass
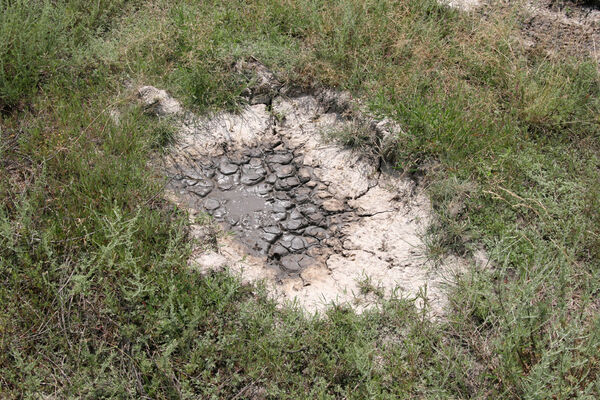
[98,302]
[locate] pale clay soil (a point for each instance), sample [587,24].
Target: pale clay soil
[365,221]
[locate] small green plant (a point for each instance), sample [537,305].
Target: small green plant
[366,287]
[164,134]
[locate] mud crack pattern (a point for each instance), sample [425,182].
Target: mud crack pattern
[273,203]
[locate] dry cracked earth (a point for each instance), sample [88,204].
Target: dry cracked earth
[317,221]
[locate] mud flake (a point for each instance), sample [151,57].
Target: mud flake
[304,174]
[227,168]
[251,178]
[284,171]
[333,205]
[211,204]
[281,158]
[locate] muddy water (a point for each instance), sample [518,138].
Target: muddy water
[271,201]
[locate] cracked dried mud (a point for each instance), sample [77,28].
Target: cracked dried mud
[314,219]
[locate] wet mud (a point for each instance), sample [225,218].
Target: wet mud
[270,200]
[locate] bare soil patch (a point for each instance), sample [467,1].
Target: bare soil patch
[563,27]
[320,222]
[556,27]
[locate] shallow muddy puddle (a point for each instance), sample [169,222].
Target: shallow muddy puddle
[270,200]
